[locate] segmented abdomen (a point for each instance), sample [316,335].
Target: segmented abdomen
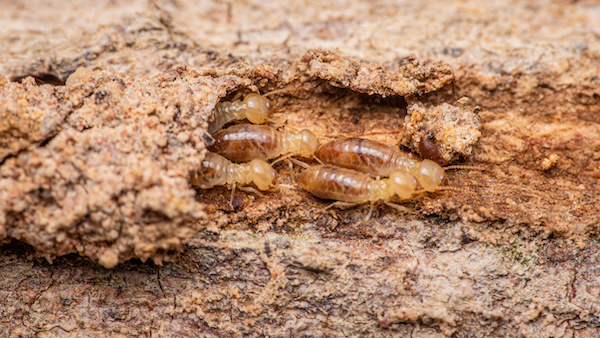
[213,172]
[334,183]
[359,154]
[245,142]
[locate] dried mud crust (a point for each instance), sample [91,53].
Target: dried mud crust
[105,173]
[410,78]
[139,45]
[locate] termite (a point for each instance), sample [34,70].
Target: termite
[254,107]
[217,170]
[379,159]
[428,149]
[246,142]
[350,187]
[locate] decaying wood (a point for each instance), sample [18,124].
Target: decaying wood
[95,167]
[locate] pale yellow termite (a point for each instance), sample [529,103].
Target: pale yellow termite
[379,159]
[350,187]
[217,170]
[255,107]
[245,142]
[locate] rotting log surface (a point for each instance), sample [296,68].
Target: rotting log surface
[515,254]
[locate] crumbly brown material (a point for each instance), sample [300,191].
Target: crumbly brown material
[443,132]
[29,114]
[410,78]
[110,180]
[513,253]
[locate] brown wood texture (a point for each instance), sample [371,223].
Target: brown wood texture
[103,117]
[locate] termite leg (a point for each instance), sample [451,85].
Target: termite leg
[236,96]
[399,208]
[291,169]
[279,160]
[244,189]
[368,214]
[231,197]
[318,160]
[300,163]
[290,164]
[340,204]
[289,159]
[251,190]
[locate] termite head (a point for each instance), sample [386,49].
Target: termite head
[403,184]
[428,149]
[262,174]
[430,175]
[309,143]
[258,108]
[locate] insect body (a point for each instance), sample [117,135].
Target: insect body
[217,170]
[254,107]
[245,142]
[354,187]
[380,159]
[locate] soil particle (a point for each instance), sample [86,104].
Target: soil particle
[441,133]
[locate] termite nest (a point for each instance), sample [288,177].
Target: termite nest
[347,170]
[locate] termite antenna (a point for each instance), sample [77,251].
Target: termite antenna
[276,91]
[300,163]
[443,188]
[466,167]
[278,186]
[231,196]
[450,188]
[277,121]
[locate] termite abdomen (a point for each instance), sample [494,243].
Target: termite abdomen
[245,142]
[217,170]
[333,183]
[358,154]
[211,171]
[365,155]
[351,186]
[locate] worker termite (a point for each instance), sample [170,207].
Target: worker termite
[254,107]
[217,170]
[245,142]
[379,159]
[350,187]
